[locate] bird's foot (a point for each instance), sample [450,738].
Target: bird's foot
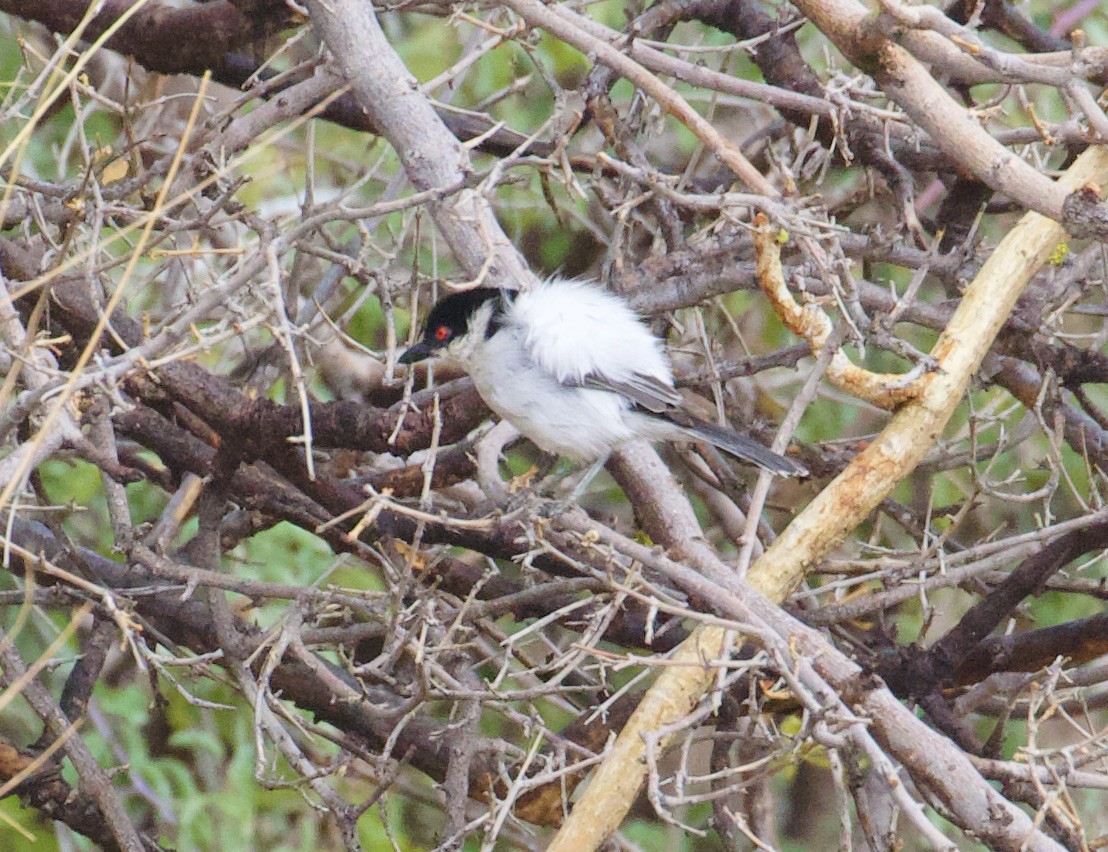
[526,502]
[552,507]
[532,503]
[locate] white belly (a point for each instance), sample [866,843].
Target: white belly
[582,424]
[575,422]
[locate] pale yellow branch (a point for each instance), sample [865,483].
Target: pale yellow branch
[60,402]
[838,509]
[885,390]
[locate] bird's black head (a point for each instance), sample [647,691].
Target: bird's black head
[450,319]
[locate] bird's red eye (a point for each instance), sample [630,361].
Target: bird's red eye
[442,333]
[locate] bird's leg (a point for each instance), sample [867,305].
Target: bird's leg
[556,507]
[586,480]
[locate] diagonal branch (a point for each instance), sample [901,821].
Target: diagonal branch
[905,80]
[429,153]
[841,506]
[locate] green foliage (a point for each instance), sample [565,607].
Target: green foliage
[23,830]
[78,483]
[367,325]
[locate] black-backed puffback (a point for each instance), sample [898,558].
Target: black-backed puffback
[574,369]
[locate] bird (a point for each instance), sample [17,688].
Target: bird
[575,370]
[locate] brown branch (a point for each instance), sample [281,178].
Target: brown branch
[116,825]
[842,505]
[916,672]
[932,760]
[781,63]
[161,36]
[1012,22]
[1079,641]
[46,791]
[848,24]
[373,715]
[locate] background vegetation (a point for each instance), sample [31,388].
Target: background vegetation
[223,629]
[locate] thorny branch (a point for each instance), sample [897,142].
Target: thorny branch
[204,292]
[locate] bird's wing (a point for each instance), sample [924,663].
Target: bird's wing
[585,337]
[647,391]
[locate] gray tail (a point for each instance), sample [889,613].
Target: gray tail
[740,446]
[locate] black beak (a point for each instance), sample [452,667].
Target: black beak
[418,352]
